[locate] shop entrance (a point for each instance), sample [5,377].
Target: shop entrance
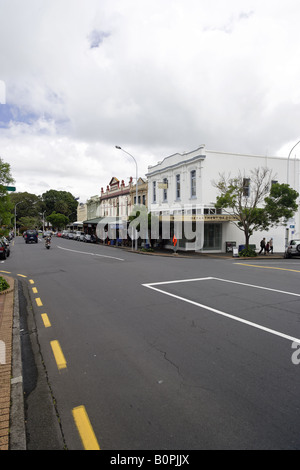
[212,236]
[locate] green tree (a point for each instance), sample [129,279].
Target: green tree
[255,202]
[28,206]
[62,202]
[5,203]
[142,221]
[58,221]
[281,204]
[29,222]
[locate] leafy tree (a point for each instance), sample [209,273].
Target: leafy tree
[258,206]
[281,204]
[142,221]
[29,222]
[61,202]
[29,205]
[5,204]
[58,221]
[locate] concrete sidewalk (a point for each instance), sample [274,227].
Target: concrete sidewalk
[12,422]
[195,255]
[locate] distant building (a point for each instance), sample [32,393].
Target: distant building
[142,193]
[81,212]
[115,201]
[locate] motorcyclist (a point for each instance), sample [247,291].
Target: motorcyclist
[48,240]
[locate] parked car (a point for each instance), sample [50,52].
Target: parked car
[71,236]
[82,237]
[65,234]
[4,248]
[31,236]
[293,249]
[89,238]
[77,235]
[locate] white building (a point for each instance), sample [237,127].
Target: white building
[181,186]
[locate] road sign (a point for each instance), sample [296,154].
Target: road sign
[10,188]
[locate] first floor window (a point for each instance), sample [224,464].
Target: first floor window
[154,191]
[246,187]
[177,186]
[165,190]
[193,183]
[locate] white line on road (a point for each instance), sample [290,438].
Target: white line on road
[91,254]
[219,312]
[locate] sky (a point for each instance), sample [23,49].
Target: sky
[155,77]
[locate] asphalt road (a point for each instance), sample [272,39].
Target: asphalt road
[201,363]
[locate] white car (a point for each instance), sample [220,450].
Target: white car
[293,249]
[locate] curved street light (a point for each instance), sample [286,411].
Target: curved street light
[288,163]
[136,191]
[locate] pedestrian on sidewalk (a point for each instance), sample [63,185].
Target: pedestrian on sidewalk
[271,245]
[263,246]
[267,249]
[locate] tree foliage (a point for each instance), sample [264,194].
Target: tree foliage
[61,202]
[58,221]
[29,205]
[5,203]
[259,206]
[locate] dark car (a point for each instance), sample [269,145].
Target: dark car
[31,236]
[4,248]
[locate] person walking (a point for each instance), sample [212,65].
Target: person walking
[271,245]
[263,246]
[267,249]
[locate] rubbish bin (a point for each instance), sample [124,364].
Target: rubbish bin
[241,247]
[229,246]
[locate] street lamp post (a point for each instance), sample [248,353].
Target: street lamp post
[16,217]
[136,192]
[287,180]
[288,163]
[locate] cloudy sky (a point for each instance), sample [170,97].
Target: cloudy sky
[155,77]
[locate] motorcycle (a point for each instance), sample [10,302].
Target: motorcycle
[47,243]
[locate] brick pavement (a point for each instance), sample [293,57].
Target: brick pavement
[6,325]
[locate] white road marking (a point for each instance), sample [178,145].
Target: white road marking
[219,312]
[91,254]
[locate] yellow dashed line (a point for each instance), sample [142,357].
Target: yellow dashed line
[58,354]
[34,290]
[31,281]
[39,302]
[85,429]
[46,320]
[21,275]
